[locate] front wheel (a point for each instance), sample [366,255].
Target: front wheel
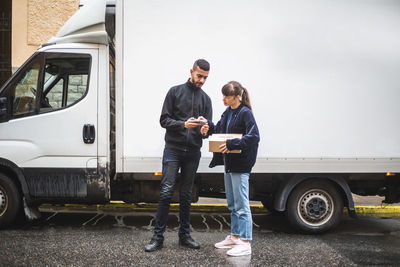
[10,201]
[314,206]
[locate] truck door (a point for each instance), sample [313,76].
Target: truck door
[51,132]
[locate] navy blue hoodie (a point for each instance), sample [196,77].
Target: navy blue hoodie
[242,122]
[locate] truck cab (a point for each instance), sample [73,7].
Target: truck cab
[55,118]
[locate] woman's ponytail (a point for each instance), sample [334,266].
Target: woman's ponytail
[246,98]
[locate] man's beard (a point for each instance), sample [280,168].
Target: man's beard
[196,83]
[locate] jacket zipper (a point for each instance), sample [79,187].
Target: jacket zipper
[228,129]
[188,129]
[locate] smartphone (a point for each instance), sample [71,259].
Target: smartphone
[200,122]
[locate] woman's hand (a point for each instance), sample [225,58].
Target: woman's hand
[202,120]
[204,129]
[223,148]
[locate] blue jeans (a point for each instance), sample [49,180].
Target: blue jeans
[187,162]
[237,196]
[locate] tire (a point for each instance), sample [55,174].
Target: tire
[314,207]
[10,201]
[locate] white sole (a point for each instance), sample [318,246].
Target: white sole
[241,254]
[224,247]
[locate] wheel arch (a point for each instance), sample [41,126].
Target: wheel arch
[285,189]
[15,173]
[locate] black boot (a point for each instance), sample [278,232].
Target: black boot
[154,244]
[187,241]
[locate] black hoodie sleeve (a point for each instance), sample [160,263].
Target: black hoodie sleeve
[208,109]
[208,115]
[166,119]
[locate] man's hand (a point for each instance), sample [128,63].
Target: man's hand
[192,123]
[223,148]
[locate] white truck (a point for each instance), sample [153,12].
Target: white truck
[79,121]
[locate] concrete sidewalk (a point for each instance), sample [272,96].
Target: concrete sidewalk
[365,206]
[368,200]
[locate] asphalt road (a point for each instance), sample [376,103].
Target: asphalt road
[118,239]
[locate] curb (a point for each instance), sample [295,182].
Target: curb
[382,211]
[120,206]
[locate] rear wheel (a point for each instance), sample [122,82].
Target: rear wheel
[10,201]
[314,206]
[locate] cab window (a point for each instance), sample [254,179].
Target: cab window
[66,82]
[48,82]
[25,90]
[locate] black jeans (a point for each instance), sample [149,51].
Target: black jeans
[187,162]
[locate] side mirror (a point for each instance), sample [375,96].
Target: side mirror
[3,109]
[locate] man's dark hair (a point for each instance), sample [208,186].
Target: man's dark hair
[202,64]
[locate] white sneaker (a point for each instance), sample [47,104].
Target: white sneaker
[240,249]
[226,243]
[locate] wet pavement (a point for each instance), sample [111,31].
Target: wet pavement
[118,239]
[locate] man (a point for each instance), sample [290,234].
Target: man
[186,107]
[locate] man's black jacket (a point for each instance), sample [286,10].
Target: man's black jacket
[182,102]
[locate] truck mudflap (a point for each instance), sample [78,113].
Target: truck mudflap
[287,187]
[98,186]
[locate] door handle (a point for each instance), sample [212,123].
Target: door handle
[89,133]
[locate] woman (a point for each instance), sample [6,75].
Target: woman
[237,118]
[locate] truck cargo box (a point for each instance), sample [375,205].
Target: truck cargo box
[322,77]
